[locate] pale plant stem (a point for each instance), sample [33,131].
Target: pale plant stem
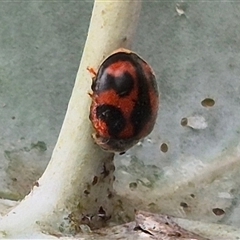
[76,161]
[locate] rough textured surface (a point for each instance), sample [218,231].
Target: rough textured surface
[41,44]
[194,50]
[195,56]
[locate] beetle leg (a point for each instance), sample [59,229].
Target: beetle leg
[92,71]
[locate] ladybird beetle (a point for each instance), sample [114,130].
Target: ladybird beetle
[125,101]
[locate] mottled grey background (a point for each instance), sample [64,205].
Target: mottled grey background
[193,48]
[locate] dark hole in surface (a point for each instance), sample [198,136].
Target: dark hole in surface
[102,214]
[86,192]
[164,147]
[95,179]
[133,185]
[110,195]
[151,205]
[101,211]
[192,195]
[183,204]
[208,102]
[177,234]
[105,171]
[184,122]
[218,211]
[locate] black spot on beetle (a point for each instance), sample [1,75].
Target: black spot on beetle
[113,118]
[140,115]
[142,112]
[122,85]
